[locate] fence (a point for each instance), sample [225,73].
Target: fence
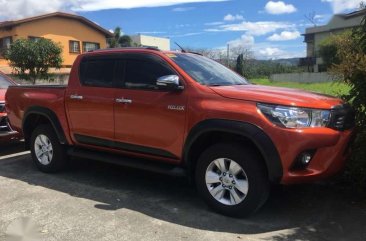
[304,77]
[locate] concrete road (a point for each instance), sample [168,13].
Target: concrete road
[95,201]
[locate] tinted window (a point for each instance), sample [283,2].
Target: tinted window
[4,83]
[97,72]
[206,71]
[142,74]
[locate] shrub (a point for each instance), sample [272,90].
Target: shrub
[351,52]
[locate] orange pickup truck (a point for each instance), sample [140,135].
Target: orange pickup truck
[180,113]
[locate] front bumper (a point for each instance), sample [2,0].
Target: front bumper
[327,161]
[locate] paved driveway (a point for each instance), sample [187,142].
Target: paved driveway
[95,201]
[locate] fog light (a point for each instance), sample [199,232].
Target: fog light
[305,159]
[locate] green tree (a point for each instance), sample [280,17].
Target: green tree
[31,59]
[119,39]
[240,64]
[125,41]
[328,49]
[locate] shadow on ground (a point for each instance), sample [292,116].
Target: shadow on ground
[11,148]
[309,212]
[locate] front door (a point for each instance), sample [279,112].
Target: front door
[148,120]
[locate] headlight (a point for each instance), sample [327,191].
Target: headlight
[293,117]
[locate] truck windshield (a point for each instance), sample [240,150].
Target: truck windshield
[4,83]
[206,71]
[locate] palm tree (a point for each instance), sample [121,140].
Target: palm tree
[119,39]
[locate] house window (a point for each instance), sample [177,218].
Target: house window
[74,46]
[5,44]
[88,46]
[35,39]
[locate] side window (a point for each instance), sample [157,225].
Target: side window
[97,72]
[142,74]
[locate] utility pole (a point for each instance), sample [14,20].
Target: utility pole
[228,55]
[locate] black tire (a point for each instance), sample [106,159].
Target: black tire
[256,175]
[59,156]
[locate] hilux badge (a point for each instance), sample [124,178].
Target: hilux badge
[176,107]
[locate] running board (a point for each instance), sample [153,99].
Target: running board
[136,163]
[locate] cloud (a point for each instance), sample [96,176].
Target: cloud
[151,32]
[284,36]
[186,35]
[321,17]
[279,8]
[182,9]
[270,52]
[15,9]
[230,17]
[343,5]
[253,28]
[182,25]
[277,53]
[245,40]
[213,23]
[95,5]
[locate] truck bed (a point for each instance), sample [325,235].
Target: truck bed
[22,97]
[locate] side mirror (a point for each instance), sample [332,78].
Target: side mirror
[169,82]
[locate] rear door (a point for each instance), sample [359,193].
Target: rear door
[90,104]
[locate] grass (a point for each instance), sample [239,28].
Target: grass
[329,88]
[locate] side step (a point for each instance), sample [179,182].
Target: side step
[136,163]
[8,133]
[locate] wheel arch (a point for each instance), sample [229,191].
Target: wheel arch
[208,130]
[37,115]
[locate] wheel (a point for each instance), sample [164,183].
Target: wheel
[47,152]
[232,179]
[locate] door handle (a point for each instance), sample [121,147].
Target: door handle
[76,97]
[123,101]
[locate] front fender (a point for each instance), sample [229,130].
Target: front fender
[251,132]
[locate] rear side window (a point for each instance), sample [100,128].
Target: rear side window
[97,72]
[143,74]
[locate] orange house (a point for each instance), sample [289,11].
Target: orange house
[76,34]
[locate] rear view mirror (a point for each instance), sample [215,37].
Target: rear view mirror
[169,82]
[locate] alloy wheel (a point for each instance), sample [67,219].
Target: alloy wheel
[227,181]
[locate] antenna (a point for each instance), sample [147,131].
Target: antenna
[181,48]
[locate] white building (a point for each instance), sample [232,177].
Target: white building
[315,35]
[151,41]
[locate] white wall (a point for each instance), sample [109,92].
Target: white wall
[145,40]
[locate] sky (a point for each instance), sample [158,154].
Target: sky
[270,29]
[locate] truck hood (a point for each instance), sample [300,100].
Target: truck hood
[277,95]
[2,95]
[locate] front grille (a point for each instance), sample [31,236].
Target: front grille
[4,125]
[342,117]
